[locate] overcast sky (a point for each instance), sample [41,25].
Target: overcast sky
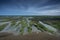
[29,7]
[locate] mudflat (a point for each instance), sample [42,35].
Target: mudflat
[32,36]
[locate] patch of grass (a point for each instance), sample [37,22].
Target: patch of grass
[54,23]
[3,26]
[29,29]
[24,23]
[21,31]
[50,31]
[13,22]
[42,28]
[18,24]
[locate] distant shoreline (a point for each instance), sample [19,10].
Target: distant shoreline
[29,15]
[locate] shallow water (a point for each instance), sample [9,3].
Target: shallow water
[48,26]
[7,27]
[1,23]
[16,29]
[34,29]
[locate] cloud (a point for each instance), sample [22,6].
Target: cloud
[29,7]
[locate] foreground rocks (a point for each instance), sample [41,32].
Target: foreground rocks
[32,36]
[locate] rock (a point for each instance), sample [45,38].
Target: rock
[31,36]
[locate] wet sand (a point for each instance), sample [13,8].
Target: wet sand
[32,36]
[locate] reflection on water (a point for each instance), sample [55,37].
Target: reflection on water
[34,29]
[48,26]
[16,29]
[6,28]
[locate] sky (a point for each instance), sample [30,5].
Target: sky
[29,7]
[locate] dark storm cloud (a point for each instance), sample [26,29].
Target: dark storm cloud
[30,6]
[26,3]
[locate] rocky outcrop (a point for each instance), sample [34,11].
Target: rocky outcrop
[31,36]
